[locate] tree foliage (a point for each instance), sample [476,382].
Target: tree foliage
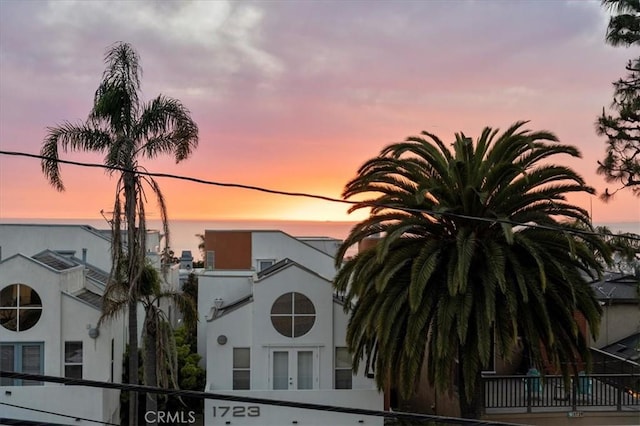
[190,289]
[621,126]
[160,354]
[624,26]
[190,375]
[439,281]
[625,248]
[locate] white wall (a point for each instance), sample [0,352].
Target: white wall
[73,401]
[32,239]
[269,415]
[72,280]
[278,245]
[340,321]
[230,286]
[236,326]
[318,290]
[250,325]
[22,270]
[77,318]
[64,318]
[327,245]
[617,322]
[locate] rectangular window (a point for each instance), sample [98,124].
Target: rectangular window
[210,260]
[265,263]
[73,360]
[241,368]
[343,373]
[22,358]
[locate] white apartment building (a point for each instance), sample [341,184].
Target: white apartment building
[271,327]
[51,281]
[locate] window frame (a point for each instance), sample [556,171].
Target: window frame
[74,364]
[210,260]
[18,309]
[18,367]
[291,315]
[240,369]
[294,367]
[337,368]
[259,261]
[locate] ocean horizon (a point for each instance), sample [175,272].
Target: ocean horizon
[183,231]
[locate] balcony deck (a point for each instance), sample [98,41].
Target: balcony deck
[532,394]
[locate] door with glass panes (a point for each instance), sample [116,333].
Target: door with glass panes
[293,369]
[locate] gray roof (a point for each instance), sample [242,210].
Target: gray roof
[628,348]
[61,262]
[617,287]
[282,265]
[275,267]
[233,306]
[55,260]
[90,297]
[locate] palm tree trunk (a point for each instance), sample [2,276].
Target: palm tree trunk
[150,376]
[470,408]
[133,361]
[130,211]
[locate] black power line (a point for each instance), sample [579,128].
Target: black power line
[628,236]
[251,400]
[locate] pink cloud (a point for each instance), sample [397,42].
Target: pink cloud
[296,95]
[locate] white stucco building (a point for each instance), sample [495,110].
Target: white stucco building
[51,279]
[271,327]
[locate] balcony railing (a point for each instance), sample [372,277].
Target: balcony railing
[596,392]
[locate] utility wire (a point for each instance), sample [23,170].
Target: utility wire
[58,414]
[186,178]
[324,198]
[250,400]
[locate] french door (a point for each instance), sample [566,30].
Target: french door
[293,369]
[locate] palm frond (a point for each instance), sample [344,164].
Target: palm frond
[69,137]
[168,128]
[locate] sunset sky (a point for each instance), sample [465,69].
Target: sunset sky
[296,95]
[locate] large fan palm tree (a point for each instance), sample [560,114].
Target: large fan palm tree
[126,131]
[450,266]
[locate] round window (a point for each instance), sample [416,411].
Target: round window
[20,307]
[293,314]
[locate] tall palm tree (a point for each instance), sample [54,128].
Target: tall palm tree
[450,265]
[126,131]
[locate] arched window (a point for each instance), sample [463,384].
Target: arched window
[20,307]
[293,314]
